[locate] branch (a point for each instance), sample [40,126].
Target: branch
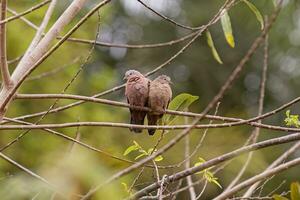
[211,22]
[219,159]
[167,18]
[256,131]
[81,144]
[259,177]
[107,44]
[53,187]
[40,53]
[3,58]
[278,161]
[40,5]
[40,30]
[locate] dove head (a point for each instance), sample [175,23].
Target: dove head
[164,79]
[131,74]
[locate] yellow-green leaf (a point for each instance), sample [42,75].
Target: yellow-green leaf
[159,158]
[180,102]
[278,197]
[130,149]
[295,191]
[214,180]
[256,12]
[210,43]
[125,186]
[226,25]
[139,156]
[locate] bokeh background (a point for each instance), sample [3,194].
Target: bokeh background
[195,72]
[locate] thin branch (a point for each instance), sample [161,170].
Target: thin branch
[40,31]
[188,165]
[216,99]
[260,111]
[40,5]
[82,144]
[278,161]
[235,121]
[107,44]
[3,57]
[167,18]
[126,125]
[259,177]
[53,187]
[198,33]
[40,52]
[52,72]
[219,159]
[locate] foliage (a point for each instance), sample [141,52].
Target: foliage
[210,43]
[179,103]
[291,120]
[207,174]
[294,193]
[226,25]
[142,151]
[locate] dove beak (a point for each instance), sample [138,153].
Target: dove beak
[124,78]
[171,83]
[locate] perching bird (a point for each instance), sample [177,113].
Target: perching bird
[136,92]
[160,95]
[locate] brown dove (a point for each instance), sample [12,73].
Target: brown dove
[136,92]
[160,94]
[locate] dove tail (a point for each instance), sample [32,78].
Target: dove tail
[137,117]
[152,120]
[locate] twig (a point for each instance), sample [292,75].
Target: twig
[188,164]
[211,22]
[40,5]
[40,52]
[52,72]
[260,111]
[83,145]
[279,160]
[220,159]
[167,18]
[40,31]
[53,187]
[235,121]
[3,58]
[259,177]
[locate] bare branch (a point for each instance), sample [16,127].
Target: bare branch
[40,5]
[3,57]
[256,131]
[220,159]
[259,177]
[53,187]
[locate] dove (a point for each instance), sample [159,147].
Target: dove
[160,95]
[136,92]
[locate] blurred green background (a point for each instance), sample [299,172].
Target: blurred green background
[195,72]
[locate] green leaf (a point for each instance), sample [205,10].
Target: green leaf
[125,186]
[210,43]
[295,191]
[256,12]
[141,155]
[278,197]
[131,149]
[287,113]
[216,182]
[150,151]
[180,102]
[291,120]
[226,25]
[158,158]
